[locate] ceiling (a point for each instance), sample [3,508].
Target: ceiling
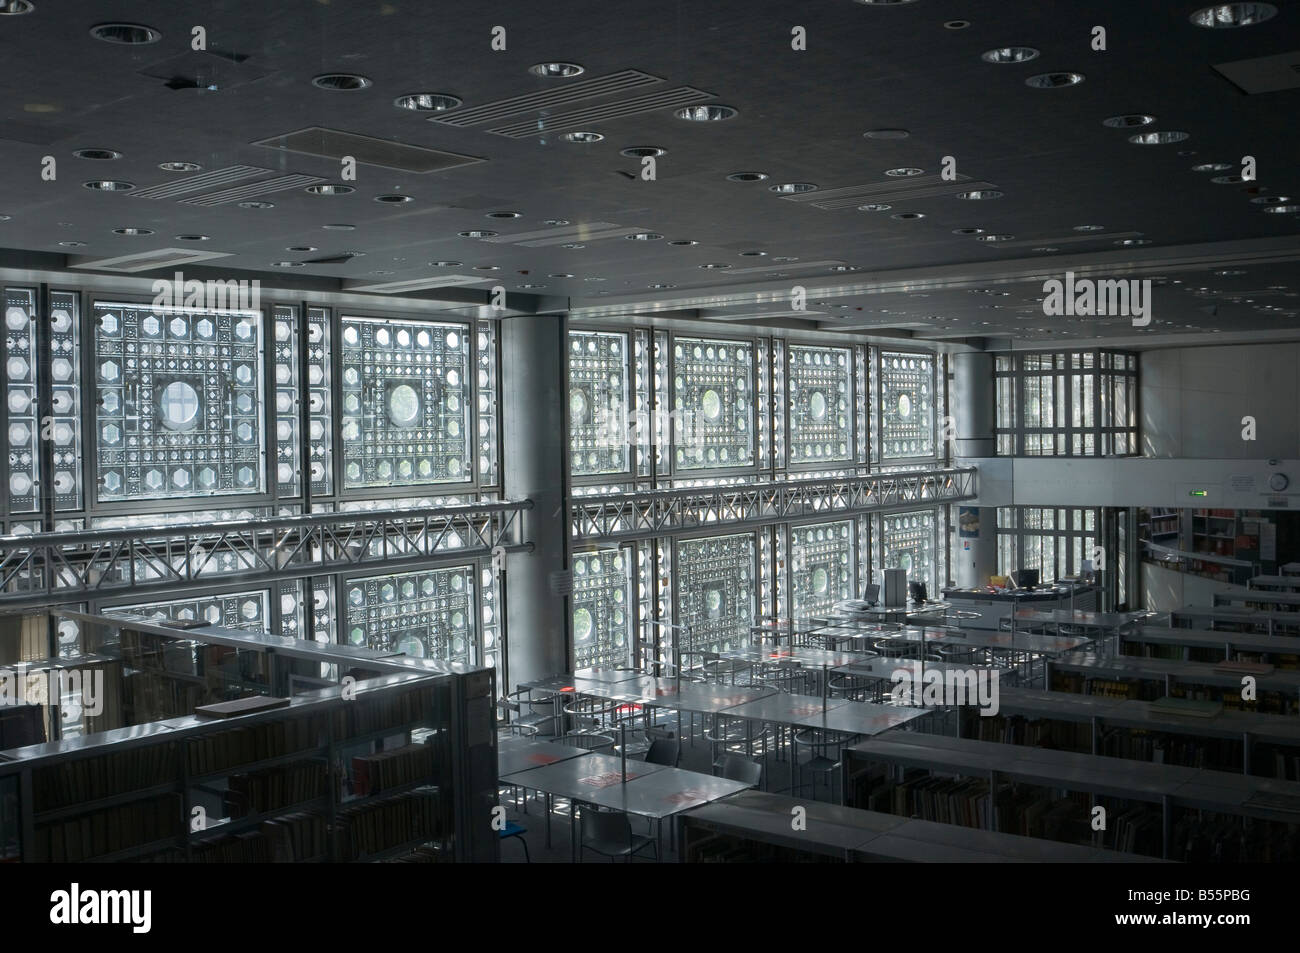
[802,115]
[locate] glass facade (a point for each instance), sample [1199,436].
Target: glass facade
[716,590]
[603,610]
[821,566]
[907,407]
[1053,540]
[1069,403]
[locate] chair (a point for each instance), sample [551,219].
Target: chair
[664,751]
[821,744]
[515,830]
[737,768]
[511,706]
[610,834]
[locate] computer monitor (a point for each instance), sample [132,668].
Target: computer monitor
[917,591]
[871,594]
[1026,578]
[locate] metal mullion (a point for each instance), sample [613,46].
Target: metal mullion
[304,408]
[44,407]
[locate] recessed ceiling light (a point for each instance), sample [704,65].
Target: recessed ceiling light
[886,134]
[556,70]
[327,189]
[968,231]
[131,230]
[13,8]
[560,274]
[904,172]
[1282,209]
[5,218]
[179,166]
[640,152]
[487,267]
[446,264]
[1224,16]
[1227,179]
[714,265]
[286,264]
[1128,121]
[956,24]
[478,233]
[109,185]
[594,278]
[705,113]
[192,238]
[792,188]
[556,221]
[381,272]
[301,248]
[1009,54]
[995,238]
[1158,138]
[644,236]
[1129,242]
[875,207]
[1046,248]
[1211,167]
[784,258]
[747,177]
[907,216]
[97,154]
[1090,228]
[1054,80]
[1229,272]
[683,241]
[504,214]
[343,82]
[339,227]
[572,245]
[1271,200]
[980,195]
[127,34]
[582,137]
[73,244]
[842,268]
[394,199]
[660,287]
[257,205]
[427,102]
[532,287]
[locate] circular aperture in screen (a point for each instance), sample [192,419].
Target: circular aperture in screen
[179,406]
[817,405]
[403,405]
[821,582]
[904,405]
[713,603]
[711,404]
[578,405]
[582,625]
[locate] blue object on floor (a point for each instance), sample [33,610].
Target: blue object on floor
[516,830]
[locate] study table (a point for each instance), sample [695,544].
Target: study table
[1206,638]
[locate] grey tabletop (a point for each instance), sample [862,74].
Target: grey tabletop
[664,793]
[521,754]
[784,709]
[860,718]
[883,668]
[808,657]
[702,698]
[579,777]
[614,675]
[1207,638]
[1084,617]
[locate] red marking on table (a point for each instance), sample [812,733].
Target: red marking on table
[567,688]
[685,797]
[628,707]
[806,710]
[660,692]
[538,757]
[606,779]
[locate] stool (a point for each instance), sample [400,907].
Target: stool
[515,830]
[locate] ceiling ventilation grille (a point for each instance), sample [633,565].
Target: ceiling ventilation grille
[198,183]
[1066,240]
[569,93]
[905,190]
[385,153]
[590,115]
[1264,74]
[148,260]
[415,284]
[253,189]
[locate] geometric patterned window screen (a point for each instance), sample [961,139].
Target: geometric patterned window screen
[425,614]
[598,402]
[822,565]
[713,403]
[716,586]
[65,396]
[407,395]
[24,431]
[179,406]
[907,405]
[820,416]
[231,610]
[290,391]
[908,541]
[602,611]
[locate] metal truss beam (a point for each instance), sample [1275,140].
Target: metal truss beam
[630,516]
[48,568]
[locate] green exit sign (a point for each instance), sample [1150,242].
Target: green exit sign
[1198,493]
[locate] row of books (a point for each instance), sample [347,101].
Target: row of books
[219,750]
[151,696]
[382,770]
[85,780]
[383,711]
[1206,838]
[1286,765]
[380,825]
[1035,732]
[720,849]
[1021,809]
[110,830]
[294,838]
[281,786]
[422,855]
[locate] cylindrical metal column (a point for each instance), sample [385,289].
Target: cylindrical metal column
[533,355]
[972,402]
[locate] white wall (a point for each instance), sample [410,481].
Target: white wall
[1192,401]
[1166,589]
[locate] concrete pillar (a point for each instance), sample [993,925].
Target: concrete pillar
[533,354]
[972,402]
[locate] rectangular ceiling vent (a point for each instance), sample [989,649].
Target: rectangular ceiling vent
[549,99]
[590,115]
[199,183]
[894,190]
[1264,74]
[148,260]
[415,284]
[1064,240]
[385,153]
[240,193]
